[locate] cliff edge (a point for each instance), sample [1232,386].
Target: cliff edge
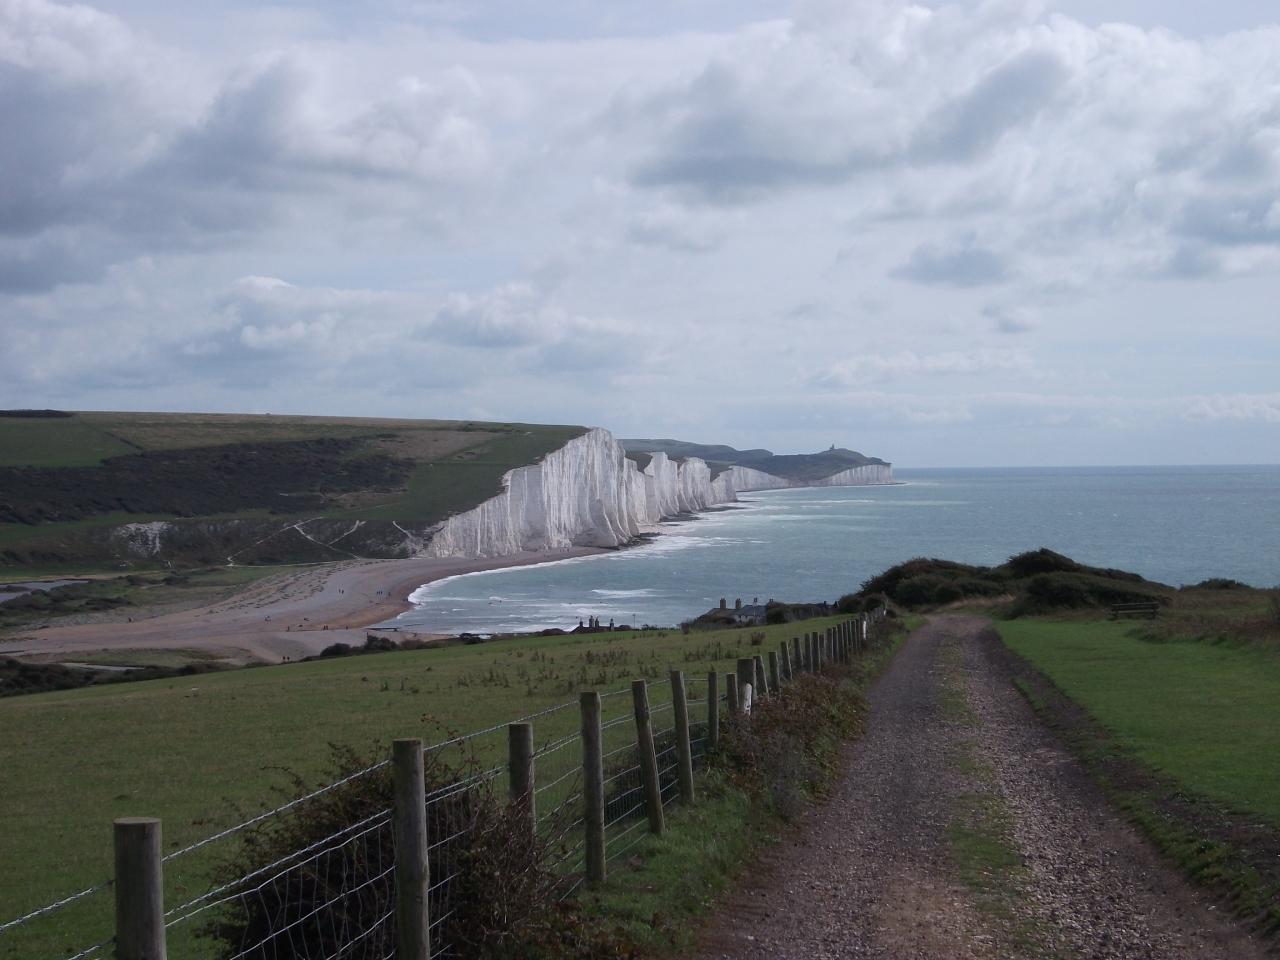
[596,492]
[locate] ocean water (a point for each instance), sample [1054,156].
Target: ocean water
[1173,524]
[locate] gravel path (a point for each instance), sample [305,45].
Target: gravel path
[877,871]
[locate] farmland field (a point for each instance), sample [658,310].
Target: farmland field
[204,751]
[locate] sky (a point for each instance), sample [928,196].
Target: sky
[946,234]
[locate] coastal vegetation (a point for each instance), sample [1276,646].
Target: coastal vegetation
[1038,581]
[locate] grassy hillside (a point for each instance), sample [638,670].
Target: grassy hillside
[202,752]
[65,481]
[800,467]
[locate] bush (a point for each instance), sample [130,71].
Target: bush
[1044,560]
[784,753]
[376,644]
[1049,592]
[502,899]
[926,590]
[1069,591]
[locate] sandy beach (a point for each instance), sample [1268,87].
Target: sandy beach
[289,616]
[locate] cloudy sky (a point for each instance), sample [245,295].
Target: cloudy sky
[971,233]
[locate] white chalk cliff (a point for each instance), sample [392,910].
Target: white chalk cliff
[589,494]
[857,476]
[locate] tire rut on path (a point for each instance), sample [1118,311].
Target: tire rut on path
[873,873]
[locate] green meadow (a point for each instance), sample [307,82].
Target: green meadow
[1203,714]
[202,752]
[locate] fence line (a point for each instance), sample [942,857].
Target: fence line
[587,807]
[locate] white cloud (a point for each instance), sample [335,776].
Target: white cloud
[872,367]
[1263,407]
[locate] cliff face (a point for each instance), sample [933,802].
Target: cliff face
[588,494]
[857,476]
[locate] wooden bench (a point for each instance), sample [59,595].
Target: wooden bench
[1147,609]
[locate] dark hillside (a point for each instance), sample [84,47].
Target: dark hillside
[1038,581]
[288,477]
[801,467]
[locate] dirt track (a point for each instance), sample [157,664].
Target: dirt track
[887,869]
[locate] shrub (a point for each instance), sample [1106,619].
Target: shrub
[502,899]
[1044,560]
[376,644]
[785,752]
[338,650]
[1048,592]
[924,590]
[1067,591]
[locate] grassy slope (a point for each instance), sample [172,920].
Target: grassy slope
[443,487]
[195,750]
[1204,715]
[56,442]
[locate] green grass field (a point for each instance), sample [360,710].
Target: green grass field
[56,442]
[203,751]
[1206,715]
[439,488]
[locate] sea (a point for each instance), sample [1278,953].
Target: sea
[1176,525]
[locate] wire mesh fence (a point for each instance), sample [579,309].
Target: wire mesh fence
[314,878]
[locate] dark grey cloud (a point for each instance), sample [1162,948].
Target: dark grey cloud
[1009,96]
[1229,219]
[731,137]
[1011,319]
[964,263]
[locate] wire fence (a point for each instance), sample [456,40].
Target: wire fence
[263,889]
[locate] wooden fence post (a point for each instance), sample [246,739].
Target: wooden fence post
[684,749]
[520,770]
[775,673]
[409,826]
[784,660]
[139,886]
[648,756]
[746,675]
[760,685]
[593,786]
[713,711]
[797,663]
[732,695]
